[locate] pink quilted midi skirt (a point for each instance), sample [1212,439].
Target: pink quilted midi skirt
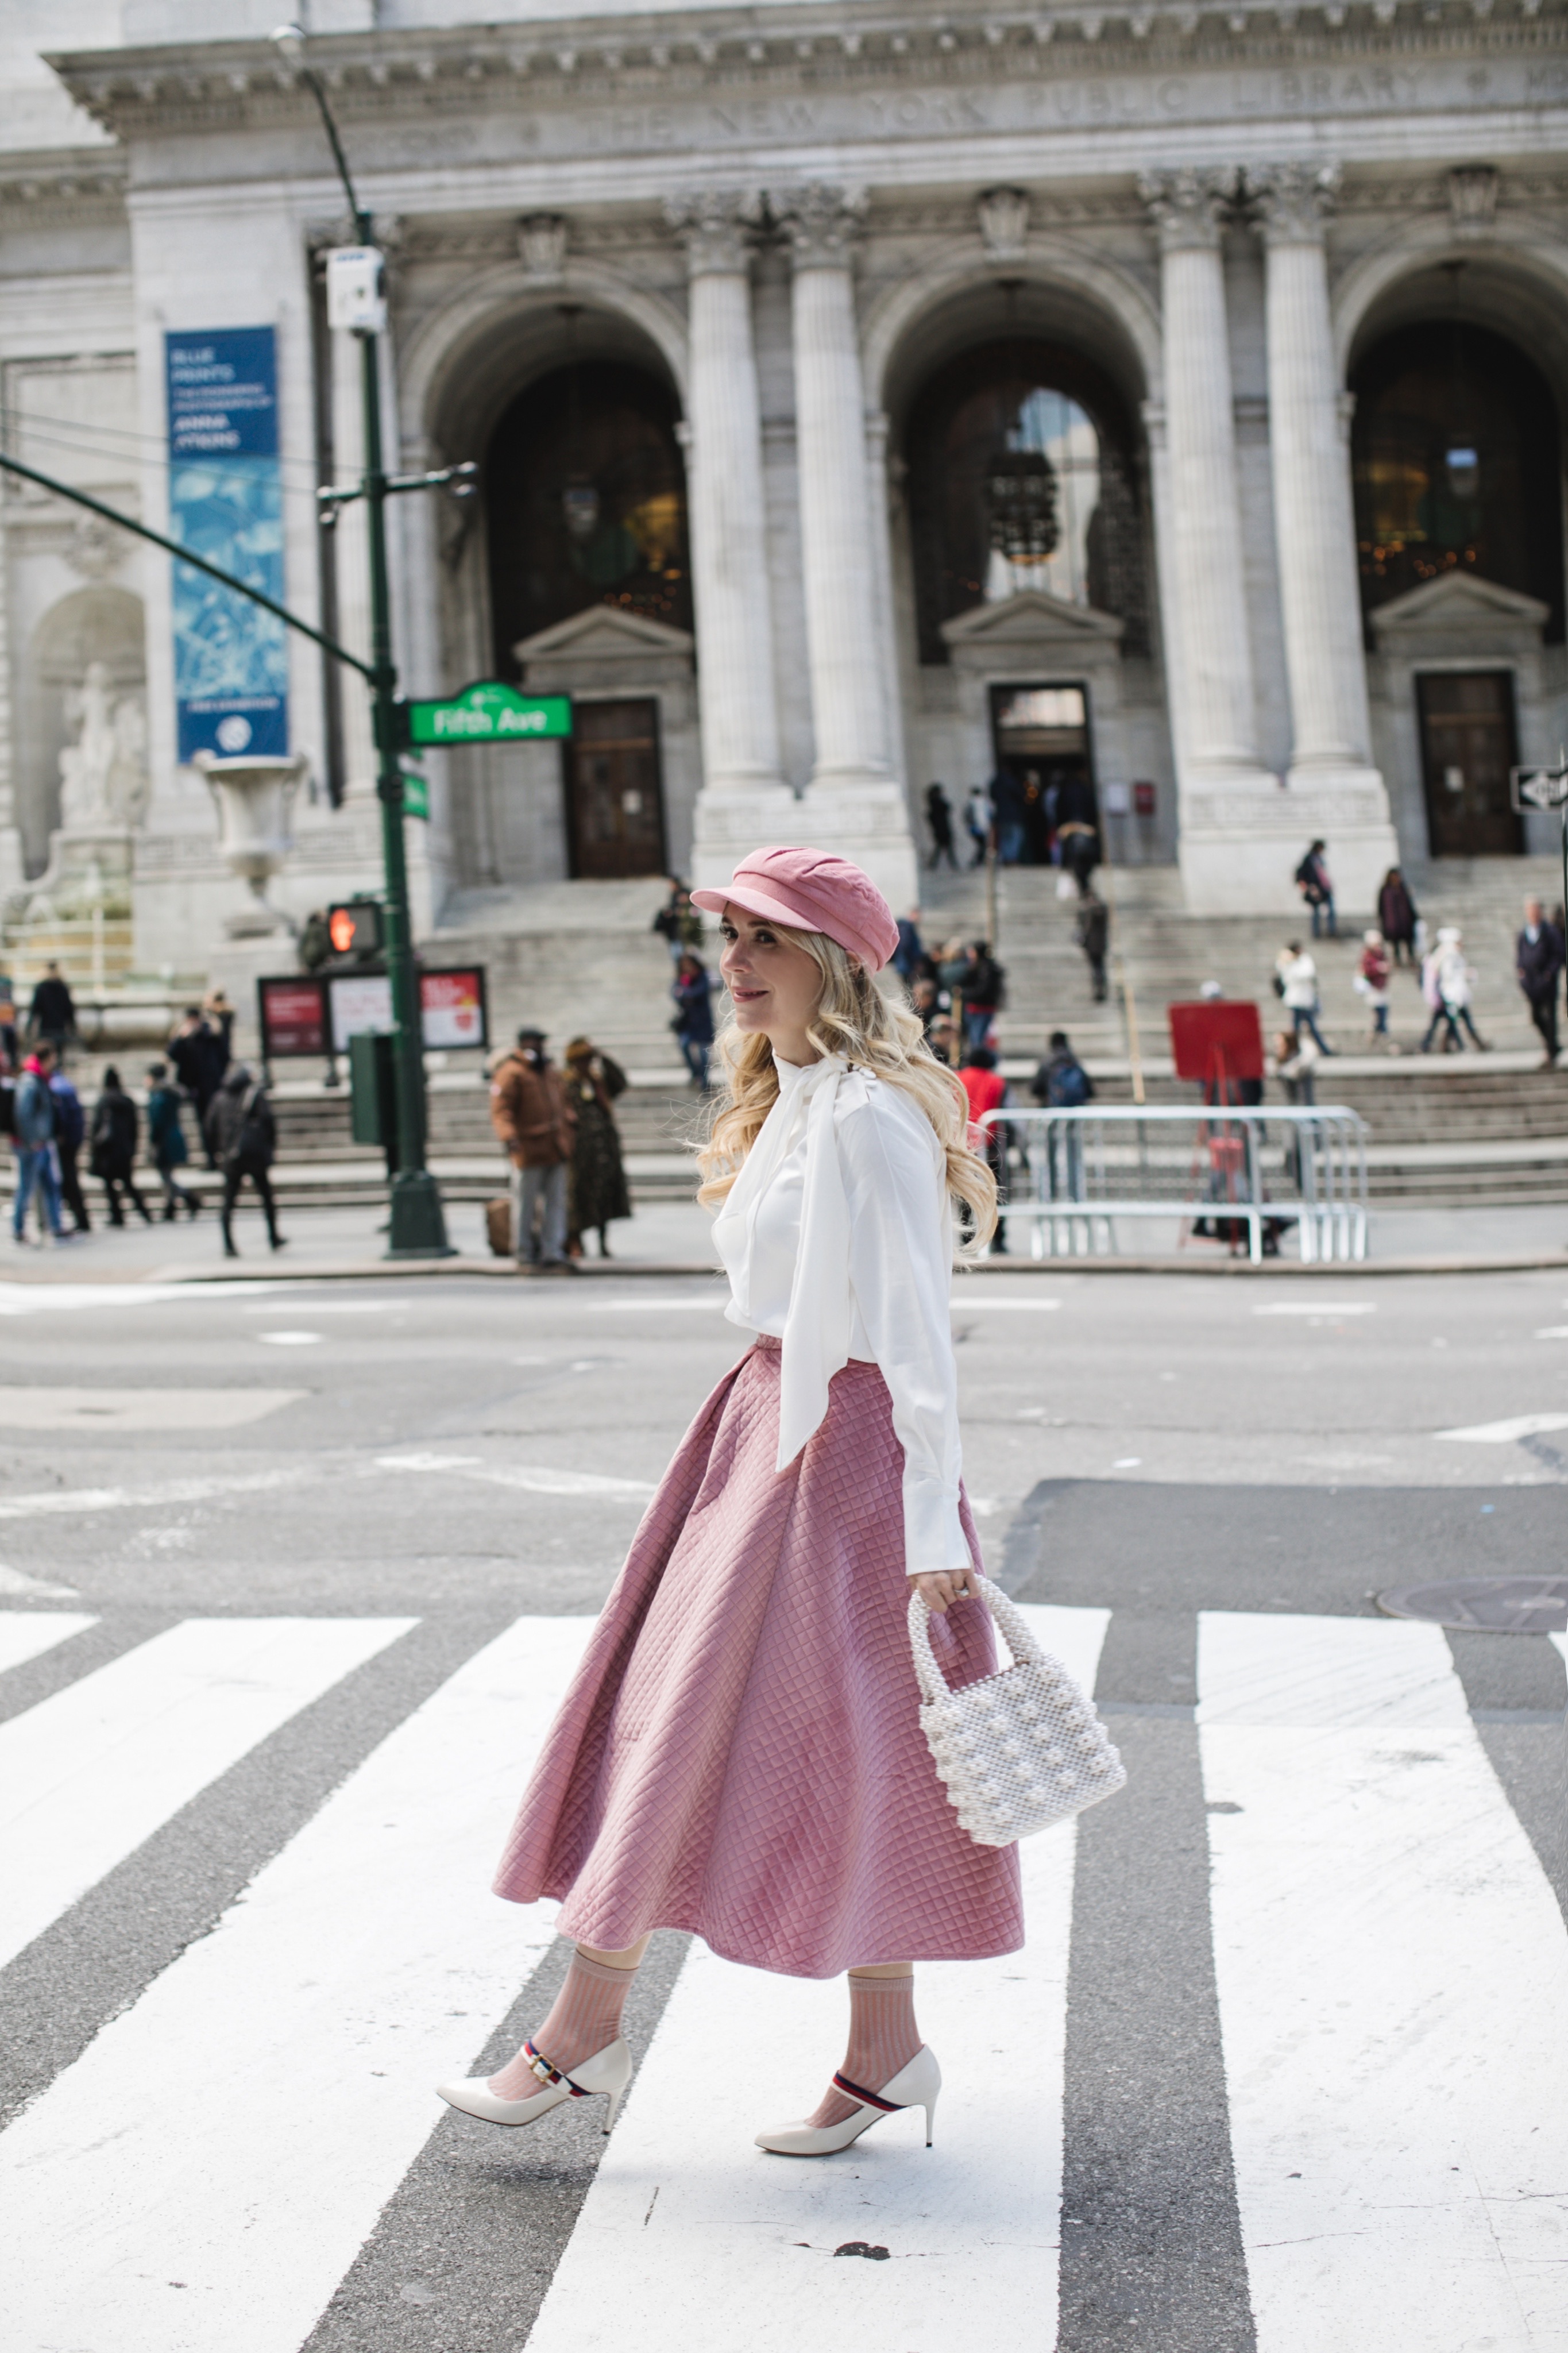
[739,1754]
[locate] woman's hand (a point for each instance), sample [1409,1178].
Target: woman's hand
[937,1588]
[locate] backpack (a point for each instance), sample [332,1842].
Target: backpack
[253,1138]
[1066,1087]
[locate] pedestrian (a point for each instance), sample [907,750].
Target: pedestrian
[219,1016]
[111,1148]
[909,954]
[51,1017]
[1313,883]
[1445,979]
[1091,930]
[943,1041]
[241,1137]
[1295,981]
[1372,982]
[939,817]
[167,1142]
[199,1058]
[985,993]
[33,1114]
[1397,918]
[739,1754]
[1006,795]
[1538,961]
[692,989]
[314,945]
[534,1120]
[70,1132]
[985,1089]
[668,921]
[1296,1060]
[924,1003]
[1077,832]
[979,817]
[598,1181]
[1061,1083]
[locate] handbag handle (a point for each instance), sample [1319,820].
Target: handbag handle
[1005,1613]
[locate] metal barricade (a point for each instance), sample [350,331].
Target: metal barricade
[1074,1174]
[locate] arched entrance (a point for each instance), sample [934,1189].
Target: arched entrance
[586,493]
[570,574]
[1028,575]
[1457,465]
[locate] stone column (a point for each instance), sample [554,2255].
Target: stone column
[351,562]
[1333,784]
[1223,786]
[10,834]
[744,799]
[854,802]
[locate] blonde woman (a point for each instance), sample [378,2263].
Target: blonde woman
[739,1755]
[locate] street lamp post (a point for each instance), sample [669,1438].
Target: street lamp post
[418,1229]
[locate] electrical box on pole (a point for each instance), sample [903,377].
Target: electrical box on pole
[355,301]
[372,1091]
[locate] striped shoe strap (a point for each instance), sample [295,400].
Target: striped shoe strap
[549,2074]
[867,2099]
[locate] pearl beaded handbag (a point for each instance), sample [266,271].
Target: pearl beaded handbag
[1022,1748]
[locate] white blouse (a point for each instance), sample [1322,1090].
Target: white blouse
[837,1239]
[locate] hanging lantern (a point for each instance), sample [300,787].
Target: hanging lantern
[1021,502]
[580,505]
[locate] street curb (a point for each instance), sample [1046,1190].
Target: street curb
[613,1269]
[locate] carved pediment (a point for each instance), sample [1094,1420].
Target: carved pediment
[1459,603]
[1032,619]
[603,633]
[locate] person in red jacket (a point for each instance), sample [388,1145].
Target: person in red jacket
[987,1090]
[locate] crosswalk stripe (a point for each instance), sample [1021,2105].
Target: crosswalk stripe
[89,1774]
[206,2172]
[1392,1967]
[710,2242]
[28,1633]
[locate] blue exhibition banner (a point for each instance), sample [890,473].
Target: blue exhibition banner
[226,500]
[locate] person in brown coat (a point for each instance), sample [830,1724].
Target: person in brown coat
[531,1113]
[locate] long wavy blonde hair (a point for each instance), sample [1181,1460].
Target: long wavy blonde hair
[853,1019]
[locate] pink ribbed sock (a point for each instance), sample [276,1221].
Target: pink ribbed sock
[584,2017]
[883,2039]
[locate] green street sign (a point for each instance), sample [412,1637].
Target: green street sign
[415,795]
[489,713]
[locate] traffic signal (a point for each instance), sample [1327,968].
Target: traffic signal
[356,928]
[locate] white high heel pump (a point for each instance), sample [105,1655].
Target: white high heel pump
[914,2086]
[609,2070]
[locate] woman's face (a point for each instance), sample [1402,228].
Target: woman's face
[773,986]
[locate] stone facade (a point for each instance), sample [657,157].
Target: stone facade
[791,216]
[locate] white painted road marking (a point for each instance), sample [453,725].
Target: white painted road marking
[967,1300]
[537,1480]
[240,2129]
[1318,1307]
[1387,1948]
[61,1298]
[108,1410]
[27,1633]
[699,2235]
[1504,1434]
[54,1501]
[290,1339]
[89,1773]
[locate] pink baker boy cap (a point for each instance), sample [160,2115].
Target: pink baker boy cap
[811,891]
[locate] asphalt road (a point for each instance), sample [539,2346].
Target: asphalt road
[463,1454]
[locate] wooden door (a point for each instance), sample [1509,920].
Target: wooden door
[614,804]
[1467,750]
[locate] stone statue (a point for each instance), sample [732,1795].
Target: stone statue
[103,774]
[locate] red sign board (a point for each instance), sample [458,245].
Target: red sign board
[293,1016]
[452,1007]
[1216,1039]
